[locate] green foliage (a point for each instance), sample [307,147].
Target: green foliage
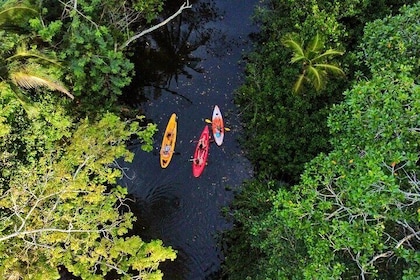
[355,207]
[89,37]
[388,46]
[150,8]
[253,203]
[27,67]
[355,211]
[15,14]
[282,130]
[358,201]
[59,203]
[57,208]
[46,32]
[93,63]
[313,60]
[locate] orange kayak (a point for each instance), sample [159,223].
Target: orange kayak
[217,126]
[168,142]
[201,152]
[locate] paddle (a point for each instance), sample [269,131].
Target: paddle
[156,151]
[209,121]
[196,141]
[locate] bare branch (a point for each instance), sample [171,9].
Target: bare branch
[123,170]
[387,254]
[43,230]
[184,6]
[356,259]
[408,237]
[80,167]
[67,5]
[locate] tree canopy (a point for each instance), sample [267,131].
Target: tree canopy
[354,210]
[60,204]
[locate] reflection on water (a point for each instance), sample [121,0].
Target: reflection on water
[163,56]
[186,68]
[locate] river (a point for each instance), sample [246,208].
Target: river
[186,68]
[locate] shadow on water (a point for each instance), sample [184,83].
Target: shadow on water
[186,68]
[163,56]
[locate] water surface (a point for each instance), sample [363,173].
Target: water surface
[186,68]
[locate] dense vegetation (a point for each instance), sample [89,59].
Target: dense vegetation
[63,66]
[337,156]
[337,193]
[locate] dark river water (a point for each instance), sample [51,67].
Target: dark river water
[186,68]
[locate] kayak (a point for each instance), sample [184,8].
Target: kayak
[168,142]
[201,152]
[217,126]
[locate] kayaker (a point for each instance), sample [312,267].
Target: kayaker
[201,144]
[166,149]
[218,131]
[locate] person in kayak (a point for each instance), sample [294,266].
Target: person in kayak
[201,144]
[167,149]
[218,131]
[198,161]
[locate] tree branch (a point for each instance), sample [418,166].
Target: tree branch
[80,167]
[383,255]
[27,232]
[408,237]
[66,5]
[184,6]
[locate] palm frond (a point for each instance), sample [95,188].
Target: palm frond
[330,67]
[313,72]
[22,52]
[296,57]
[328,53]
[297,87]
[292,42]
[316,44]
[29,81]
[316,77]
[16,15]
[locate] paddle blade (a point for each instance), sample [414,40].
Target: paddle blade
[208,121]
[227,128]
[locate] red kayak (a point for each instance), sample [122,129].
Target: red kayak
[201,152]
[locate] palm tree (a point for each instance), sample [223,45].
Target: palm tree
[314,61]
[26,69]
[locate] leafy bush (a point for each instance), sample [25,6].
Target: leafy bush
[388,46]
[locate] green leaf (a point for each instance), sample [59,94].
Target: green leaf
[330,67]
[18,15]
[316,77]
[328,53]
[297,87]
[316,44]
[291,41]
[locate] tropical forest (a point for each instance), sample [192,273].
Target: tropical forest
[329,112]
[331,116]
